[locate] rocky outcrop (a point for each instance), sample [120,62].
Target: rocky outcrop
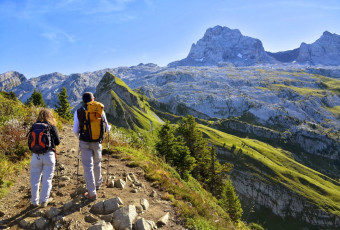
[223,45]
[11,79]
[302,137]
[282,201]
[260,187]
[324,51]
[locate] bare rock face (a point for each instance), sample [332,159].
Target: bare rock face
[282,201]
[223,45]
[11,79]
[324,51]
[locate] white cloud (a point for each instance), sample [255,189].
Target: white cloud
[57,36]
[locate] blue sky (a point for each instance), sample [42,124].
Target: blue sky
[74,36]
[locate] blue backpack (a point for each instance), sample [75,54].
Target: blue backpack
[39,139]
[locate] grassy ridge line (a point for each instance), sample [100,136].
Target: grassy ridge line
[316,187]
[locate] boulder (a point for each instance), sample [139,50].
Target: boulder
[52,213]
[68,206]
[98,208]
[143,224]
[124,217]
[112,205]
[41,223]
[163,220]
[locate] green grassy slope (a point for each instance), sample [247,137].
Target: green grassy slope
[281,168]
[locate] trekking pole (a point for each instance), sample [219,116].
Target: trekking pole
[108,156]
[57,166]
[78,167]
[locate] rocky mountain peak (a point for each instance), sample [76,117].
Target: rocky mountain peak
[221,45]
[11,79]
[324,51]
[326,33]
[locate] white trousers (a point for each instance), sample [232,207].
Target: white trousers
[42,165]
[91,156]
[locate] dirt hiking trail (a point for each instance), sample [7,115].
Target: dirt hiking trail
[70,210]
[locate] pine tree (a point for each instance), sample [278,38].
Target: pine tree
[36,99]
[230,201]
[165,144]
[184,162]
[63,107]
[217,174]
[198,147]
[174,151]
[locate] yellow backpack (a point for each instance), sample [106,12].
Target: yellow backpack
[91,122]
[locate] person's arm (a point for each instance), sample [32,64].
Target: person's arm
[107,127]
[55,135]
[76,124]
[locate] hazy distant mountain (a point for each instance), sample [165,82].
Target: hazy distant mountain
[221,45]
[324,51]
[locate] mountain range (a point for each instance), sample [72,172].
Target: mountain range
[222,46]
[288,102]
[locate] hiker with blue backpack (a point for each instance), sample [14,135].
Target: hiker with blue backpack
[42,141]
[88,126]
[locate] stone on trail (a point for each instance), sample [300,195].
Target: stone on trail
[52,213]
[111,184]
[91,219]
[98,208]
[112,205]
[65,178]
[26,223]
[107,218]
[143,224]
[128,178]
[120,183]
[124,217]
[139,209]
[144,203]
[153,193]
[41,223]
[163,220]
[68,206]
[133,177]
[101,225]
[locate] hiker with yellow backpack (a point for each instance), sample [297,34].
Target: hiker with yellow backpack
[88,126]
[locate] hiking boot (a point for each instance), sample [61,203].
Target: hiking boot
[44,204]
[34,205]
[90,197]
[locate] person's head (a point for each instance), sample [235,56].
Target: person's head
[87,97]
[46,115]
